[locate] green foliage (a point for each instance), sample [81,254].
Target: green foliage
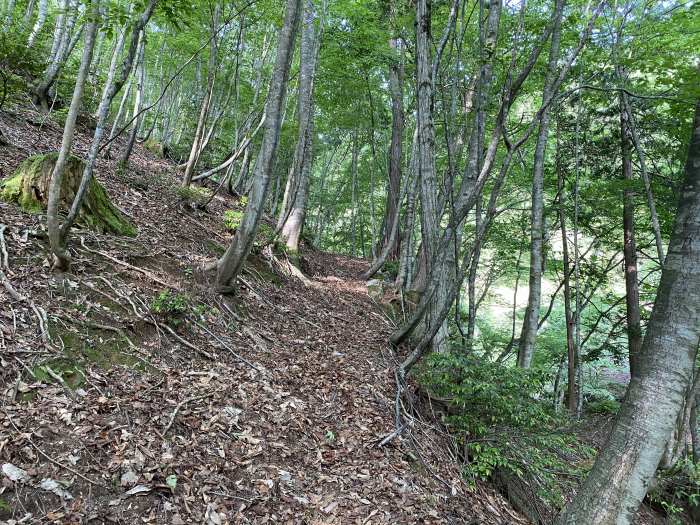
[606,406]
[232,219]
[500,417]
[677,489]
[171,306]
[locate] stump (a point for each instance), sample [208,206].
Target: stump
[29,185]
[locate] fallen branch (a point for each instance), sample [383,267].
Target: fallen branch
[237,356]
[183,341]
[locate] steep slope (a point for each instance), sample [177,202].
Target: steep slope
[133,394]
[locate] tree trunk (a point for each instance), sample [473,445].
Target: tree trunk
[54,193]
[528,334]
[634,324]
[124,159]
[571,353]
[206,101]
[39,24]
[625,467]
[391,212]
[295,214]
[403,276]
[111,88]
[353,205]
[232,261]
[64,45]
[426,156]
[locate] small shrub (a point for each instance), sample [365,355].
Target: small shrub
[171,306]
[499,416]
[606,406]
[678,490]
[233,219]
[391,269]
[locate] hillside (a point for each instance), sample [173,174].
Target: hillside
[132,393]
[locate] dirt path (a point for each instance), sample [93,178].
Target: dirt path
[266,407]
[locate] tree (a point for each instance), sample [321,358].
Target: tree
[232,261]
[624,469]
[293,211]
[528,334]
[54,197]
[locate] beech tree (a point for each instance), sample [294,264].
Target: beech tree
[232,261]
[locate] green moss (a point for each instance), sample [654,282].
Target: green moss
[193,194]
[4,506]
[29,185]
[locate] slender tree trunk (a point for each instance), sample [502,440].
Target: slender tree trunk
[353,168]
[391,212]
[625,467]
[634,324]
[528,334]
[232,261]
[404,274]
[634,138]
[39,24]
[206,100]
[138,99]
[118,117]
[66,42]
[54,192]
[571,353]
[113,84]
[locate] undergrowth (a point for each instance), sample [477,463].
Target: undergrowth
[501,418]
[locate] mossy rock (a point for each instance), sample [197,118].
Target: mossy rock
[29,186]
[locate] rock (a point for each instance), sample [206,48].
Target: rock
[29,186]
[375,289]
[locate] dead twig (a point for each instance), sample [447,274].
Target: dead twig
[179,406]
[227,347]
[127,265]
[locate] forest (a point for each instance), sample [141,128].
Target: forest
[350,261]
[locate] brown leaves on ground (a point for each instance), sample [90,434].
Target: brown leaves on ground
[262,408]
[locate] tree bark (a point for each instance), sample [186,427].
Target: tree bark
[39,24]
[391,212]
[294,214]
[64,44]
[625,467]
[232,261]
[528,334]
[571,354]
[634,323]
[54,193]
[206,100]
[138,99]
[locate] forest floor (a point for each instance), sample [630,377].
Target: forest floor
[265,407]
